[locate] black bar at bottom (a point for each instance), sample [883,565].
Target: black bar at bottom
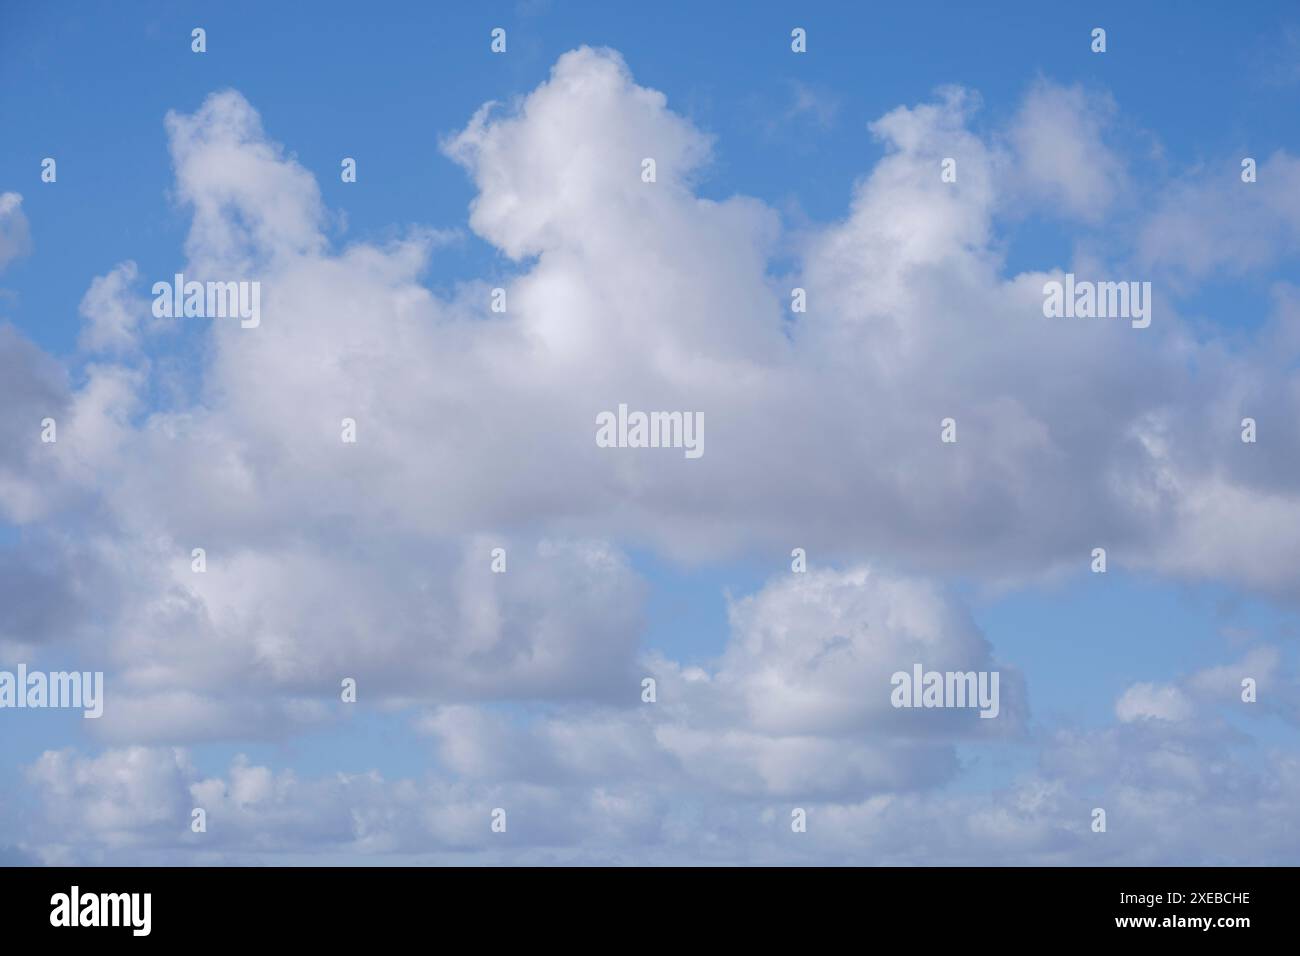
[666,907]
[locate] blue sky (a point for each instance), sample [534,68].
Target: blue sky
[1166,113]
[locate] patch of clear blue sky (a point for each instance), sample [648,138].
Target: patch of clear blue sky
[89,83]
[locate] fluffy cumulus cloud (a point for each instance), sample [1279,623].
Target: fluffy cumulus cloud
[371,560]
[1062,158]
[112,312]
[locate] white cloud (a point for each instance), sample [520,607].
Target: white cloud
[247,198]
[1161,702]
[112,311]
[15,234]
[797,705]
[1171,798]
[646,294]
[1062,159]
